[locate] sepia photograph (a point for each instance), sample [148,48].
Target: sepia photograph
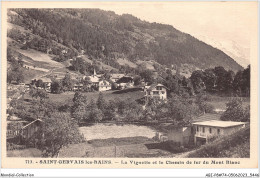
[135,80]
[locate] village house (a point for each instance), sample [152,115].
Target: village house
[77,87]
[47,83]
[104,85]
[158,91]
[97,83]
[30,129]
[116,77]
[13,129]
[22,129]
[207,130]
[125,82]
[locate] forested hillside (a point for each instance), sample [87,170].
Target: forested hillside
[106,36]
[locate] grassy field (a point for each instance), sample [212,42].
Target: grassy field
[114,147]
[128,94]
[219,102]
[119,141]
[29,152]
[109,130]
[126,62]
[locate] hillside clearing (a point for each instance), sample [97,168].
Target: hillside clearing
[39,56]
[126,62]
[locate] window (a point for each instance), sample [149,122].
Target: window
[218,131]
[203,129]
[210,131]
[159,88]
[156,92]
[197,128]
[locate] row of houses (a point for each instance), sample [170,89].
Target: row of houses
[97,82]
[121,81]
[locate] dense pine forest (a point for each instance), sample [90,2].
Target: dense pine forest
[107,36]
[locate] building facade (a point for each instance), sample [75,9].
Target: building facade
[104,85]
[125,82]
[206,130]
[157,91]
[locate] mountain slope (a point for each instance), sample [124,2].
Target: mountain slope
[108,37]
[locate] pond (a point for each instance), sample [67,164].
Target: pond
[104,131]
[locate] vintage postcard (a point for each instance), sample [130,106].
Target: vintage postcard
[129,85]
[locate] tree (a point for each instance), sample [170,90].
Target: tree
[197,78]
[39,83]
[101,102]
[57,131]
[203,106]
[147,75]
[221,75]
[172,83]
[237,83]
[246,81]
[210,79]
[86,84]
[236,112]
[180,112]
[67,83]
[79,106]
[137,80]
[41,93]
[241,82]
[15,73]
[229,81]
[93,113]
[110,110]
[56,87]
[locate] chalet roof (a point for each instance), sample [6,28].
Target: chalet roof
[44,79]
[105,82]
[115,76]
[78,85]
[216,123]
[37,120]
[125,79]
[155,85]
[93,79]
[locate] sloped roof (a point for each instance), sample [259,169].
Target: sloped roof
[117,75]
[44,79]
[93,79]
[217,123]
[32,123]
[155,85]
[105,82]
[125,79]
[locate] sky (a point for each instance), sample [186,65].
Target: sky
[221,22]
